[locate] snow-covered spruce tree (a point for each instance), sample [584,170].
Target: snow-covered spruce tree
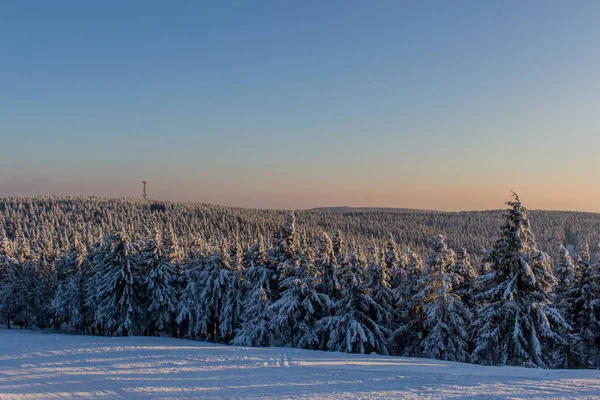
[391,255]
[584,312]
[339,249]
[301,305]
[23,249]
[467,279]
[6,246]
[567,275]
[394,263]
[24,286]
[261,287]
[445,318]
[262,270]
[27,290]
[160,272]
[173,251]
[118,307]
[68,304]
[286,248]
[351,328]
[190,308]
[92,285]
[8,282]
[565,271]
[408,285]
[233,300]
[564,297]
[517,326]
[329,270]
[45,287]
[215,283]
[405,339]
[175,255]
[256,327]
[379,286]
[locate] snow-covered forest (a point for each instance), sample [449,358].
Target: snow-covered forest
[472,287]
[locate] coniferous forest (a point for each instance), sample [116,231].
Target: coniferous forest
[475,287]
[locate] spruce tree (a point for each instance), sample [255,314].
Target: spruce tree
[584,312]
[261,290]
[118,307]
[329,269]
[190,309]
[565,271]
[351,328]
[379,285]
[297,311]
[517,325]
[445,317]
[68,303]
[233,301]
[160,273]
[467,279]
[8,284]
[215,283]
[405,339]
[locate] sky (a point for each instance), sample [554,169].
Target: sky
[445,105]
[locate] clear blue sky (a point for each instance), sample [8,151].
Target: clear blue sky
[426,104]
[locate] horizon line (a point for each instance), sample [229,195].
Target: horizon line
[319,208]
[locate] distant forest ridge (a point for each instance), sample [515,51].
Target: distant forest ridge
[52,222]
[371,209]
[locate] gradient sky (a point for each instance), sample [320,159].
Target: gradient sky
[295,104]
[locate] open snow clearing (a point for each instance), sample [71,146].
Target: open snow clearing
[38,365]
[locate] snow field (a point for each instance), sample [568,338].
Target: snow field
[38,365]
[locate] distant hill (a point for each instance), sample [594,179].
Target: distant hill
[373,209]
[50,223]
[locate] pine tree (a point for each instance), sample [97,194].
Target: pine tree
[395,269]
[261,281]
[68,302]
[92,285]
[256,329]
[383,295]
[190,310]
[296,313]
[45,286]
[405,339]
[6,246]
[328,267]
[391,255]
[233,301]
[351,329]
[160,272]
[339,249]
[288,243]
[584,312]
[467,279]
[262,270]
[25,290]
[564,296]
[565,270]
[8,283]
[215,282]
[445,317]
[118,308]
[408,286]
[518,326]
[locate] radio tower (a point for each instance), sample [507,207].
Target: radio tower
[144,193]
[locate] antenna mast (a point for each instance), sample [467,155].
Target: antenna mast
[144,193]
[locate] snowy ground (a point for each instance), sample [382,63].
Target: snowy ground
[36,365]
